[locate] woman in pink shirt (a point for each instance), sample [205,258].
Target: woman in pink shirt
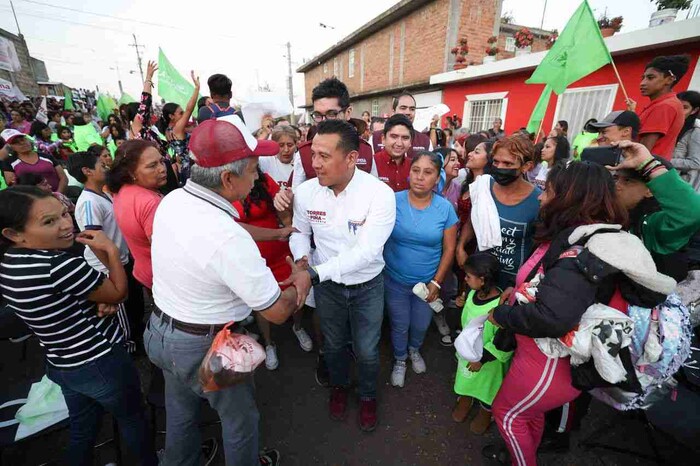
[137,173]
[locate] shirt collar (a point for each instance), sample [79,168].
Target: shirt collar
[350,187]
[211,197]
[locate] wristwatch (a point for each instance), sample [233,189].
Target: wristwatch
[315,279]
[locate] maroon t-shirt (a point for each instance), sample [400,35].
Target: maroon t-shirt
[44,167]
[395,175]
[421,141]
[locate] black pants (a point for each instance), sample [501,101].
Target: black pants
[568,417]
[134,306]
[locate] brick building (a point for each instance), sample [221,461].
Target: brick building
[25,78]
[401,48]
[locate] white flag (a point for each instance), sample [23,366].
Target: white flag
[42,113]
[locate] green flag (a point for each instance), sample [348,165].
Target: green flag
[126,99]
[540,109]
[105,106]
[68,99]
[171,85]
[579,51]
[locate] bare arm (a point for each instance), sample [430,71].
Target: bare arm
[115,288]
[62,179]
[179,129]
[449,241]
[649,140]
[268,234]
[292,298]
[466,234]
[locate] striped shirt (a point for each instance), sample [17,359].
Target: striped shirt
[48,290]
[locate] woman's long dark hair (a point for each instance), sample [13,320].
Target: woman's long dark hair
[258,194]
[36,129]
[125,162]
[581,193]
[693,98]
[15,204]
[163,122]
[562,150]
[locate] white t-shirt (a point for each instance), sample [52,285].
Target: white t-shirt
[96,210]
[278,171]
[206,268]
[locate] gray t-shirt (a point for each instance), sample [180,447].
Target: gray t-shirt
[95,211]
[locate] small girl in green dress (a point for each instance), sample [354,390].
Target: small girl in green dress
[480,380]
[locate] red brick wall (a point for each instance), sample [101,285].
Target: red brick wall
[425,32]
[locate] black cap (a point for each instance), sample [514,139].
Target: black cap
[618,118]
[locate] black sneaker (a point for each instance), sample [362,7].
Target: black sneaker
[210,448]
[322,376]
[270,458]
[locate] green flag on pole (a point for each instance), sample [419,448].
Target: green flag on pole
[579,51]
[171,85]
[540,109]
[126,99]
[105,106]
[68,99]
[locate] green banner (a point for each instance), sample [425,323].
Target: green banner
[68,99]
[539,111]
[171,85]
[126,99]
[105,106]
[579,51]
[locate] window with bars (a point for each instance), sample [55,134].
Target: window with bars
[578,105]
[480,112]
[375,107]
[510,44]
[351,63]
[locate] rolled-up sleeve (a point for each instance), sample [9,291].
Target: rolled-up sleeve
[370,242]
[300,243]
[238,263]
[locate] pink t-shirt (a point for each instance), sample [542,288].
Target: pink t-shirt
[134,209]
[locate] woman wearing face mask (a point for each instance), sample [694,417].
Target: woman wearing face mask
[555,149]
[516,203]
[419,250]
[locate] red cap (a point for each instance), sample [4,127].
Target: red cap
[215,143]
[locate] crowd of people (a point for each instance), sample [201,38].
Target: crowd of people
[353,220]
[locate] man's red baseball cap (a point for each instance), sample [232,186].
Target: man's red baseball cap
[215,143]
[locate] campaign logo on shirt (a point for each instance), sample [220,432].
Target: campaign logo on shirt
[316,216]
[353,225]
[361,161]
[384,179]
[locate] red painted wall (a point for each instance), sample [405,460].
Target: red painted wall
[523,97]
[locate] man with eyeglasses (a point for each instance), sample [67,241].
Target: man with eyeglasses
[405,104]
[331,101]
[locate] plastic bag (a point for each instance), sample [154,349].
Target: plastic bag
[45,407]
[470,342]
[231,358]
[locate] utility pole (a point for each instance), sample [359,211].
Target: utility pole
[290,85]
[12,5]
[136,45]
[544,10]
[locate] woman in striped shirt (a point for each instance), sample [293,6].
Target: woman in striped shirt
[55,294]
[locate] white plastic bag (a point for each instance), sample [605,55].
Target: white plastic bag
[45,407]
[470,342]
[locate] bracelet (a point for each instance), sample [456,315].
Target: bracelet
[434,282]
[647,176]
[644,164]
[149,82]
[650,168]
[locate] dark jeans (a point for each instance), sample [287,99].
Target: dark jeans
[134,306]
[109,383]
[179,355]
[352,314]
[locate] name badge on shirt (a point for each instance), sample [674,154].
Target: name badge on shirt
[317,217]
[353,225]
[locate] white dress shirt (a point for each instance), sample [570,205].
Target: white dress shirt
[299,175]
[206,268]
[349,229]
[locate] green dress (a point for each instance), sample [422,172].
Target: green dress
[482,385]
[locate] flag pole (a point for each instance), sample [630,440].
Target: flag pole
[539,131]
[619,79]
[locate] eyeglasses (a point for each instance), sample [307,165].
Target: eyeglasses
[330,115]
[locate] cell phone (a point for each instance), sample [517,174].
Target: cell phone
[605,156]
[93,227]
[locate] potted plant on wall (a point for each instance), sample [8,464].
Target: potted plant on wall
[460,52]
[491,49]
[609,26]
[523,41]
[551,39]
[667,11]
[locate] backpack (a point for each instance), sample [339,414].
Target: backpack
[217,111]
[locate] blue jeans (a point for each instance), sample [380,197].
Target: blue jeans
[179,355]
[409,315]
[109,383]
[352,314]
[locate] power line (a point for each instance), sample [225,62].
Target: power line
[63,20]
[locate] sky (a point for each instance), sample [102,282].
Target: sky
[83,42]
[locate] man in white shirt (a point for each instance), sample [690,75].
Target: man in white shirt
[351,215]
[207,271]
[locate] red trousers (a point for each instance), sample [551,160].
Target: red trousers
[534,385]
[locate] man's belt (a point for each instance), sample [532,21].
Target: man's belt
[192,329]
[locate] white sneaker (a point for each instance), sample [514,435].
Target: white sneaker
[304,339]
[398,374]
[417,362]
[271,361]
[441,324]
